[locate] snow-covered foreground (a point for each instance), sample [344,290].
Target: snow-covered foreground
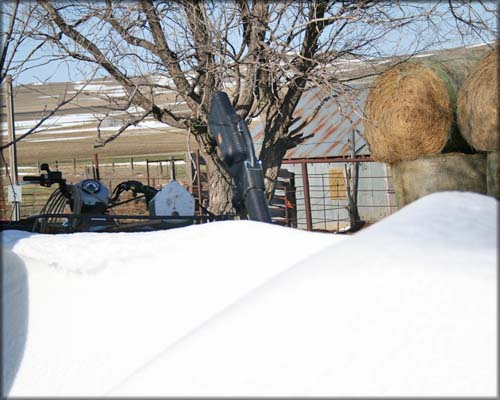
[92,308]
[406,307]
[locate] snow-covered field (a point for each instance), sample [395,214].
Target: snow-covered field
[406,307]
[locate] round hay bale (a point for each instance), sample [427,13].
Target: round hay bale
[437,173]
[477,105]
[410,111]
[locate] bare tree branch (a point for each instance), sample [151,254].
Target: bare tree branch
[100,142]
[169,58]
[264,54]
[46,115]
[7,41]
[99,57]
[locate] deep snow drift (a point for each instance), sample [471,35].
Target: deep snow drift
[406,307]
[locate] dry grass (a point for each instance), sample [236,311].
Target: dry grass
[140,144]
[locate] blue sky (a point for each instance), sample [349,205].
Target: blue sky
[402,43]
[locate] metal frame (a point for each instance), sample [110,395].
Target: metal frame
[305,176]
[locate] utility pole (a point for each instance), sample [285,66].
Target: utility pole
[14,177]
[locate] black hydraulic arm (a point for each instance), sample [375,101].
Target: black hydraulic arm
[47,178]
[136,187]
[233,137]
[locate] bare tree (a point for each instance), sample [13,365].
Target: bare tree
[264,54]
[20,52]
[12,37]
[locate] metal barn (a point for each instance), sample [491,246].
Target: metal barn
[333,169]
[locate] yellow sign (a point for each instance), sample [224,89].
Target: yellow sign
[337,184]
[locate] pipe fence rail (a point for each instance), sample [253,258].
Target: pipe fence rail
[319,206]
[314,196]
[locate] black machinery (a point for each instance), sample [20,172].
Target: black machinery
[234,139]
[92,205]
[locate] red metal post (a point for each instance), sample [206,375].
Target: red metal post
[287,222]
[307,198]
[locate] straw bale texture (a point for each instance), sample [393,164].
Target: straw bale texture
[493,174]
[436,173]
[410,110]
[477,105]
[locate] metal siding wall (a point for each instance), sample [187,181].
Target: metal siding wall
[326,213]
[375,195]
[375,198]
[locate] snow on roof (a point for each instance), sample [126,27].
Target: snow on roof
[406,307]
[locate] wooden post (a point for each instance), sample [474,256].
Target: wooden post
[132,164]
[307,198]
[188,167]
[3,203]
[96,167]
[74,166]
[172,168]
[14,176]
[34,201]
[147,172]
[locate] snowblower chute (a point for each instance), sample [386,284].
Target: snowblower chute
[234,139]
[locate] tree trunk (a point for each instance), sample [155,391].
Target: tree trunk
[271,157]
[220,186]
[351,180]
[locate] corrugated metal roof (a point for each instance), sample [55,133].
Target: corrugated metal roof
[332,127]
[334,124]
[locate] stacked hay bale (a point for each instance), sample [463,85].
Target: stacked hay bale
[410,111]
[477,114]
[411,125]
